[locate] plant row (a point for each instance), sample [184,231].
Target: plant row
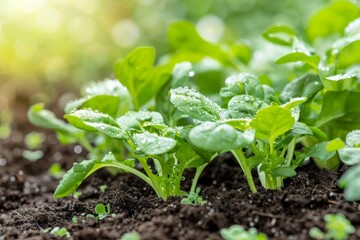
[204,99]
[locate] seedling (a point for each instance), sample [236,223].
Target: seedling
[57,232]
[337,226]
[237,232]
[34,140]
[193,198]
[101,211]
[103,188]
[56,171]
[131,236]
[32,156]
[77,194]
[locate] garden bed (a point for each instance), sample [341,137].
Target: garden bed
[27,205]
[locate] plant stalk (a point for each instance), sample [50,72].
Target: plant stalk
[240,157]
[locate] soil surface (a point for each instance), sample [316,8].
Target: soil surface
[27,205]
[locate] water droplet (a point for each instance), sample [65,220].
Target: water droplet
[78,149]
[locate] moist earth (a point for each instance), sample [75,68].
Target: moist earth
[27,205]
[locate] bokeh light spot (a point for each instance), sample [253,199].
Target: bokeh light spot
[125,33]
[211,28]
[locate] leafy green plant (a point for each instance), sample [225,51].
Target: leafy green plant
[329,78]
[158,119]
[57,232]
[237,232]
[338,228]
[102,211]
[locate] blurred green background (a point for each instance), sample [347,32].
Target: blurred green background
[46,45]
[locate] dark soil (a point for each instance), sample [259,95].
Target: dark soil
[27,206]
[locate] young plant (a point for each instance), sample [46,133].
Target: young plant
[57,232]
[237,232]
[131,236]
[115,136]
[338,228]
[255,127]
[329,77]
[193,198]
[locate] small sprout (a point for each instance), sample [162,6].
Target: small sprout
[338,228]
[103,188]
[193,198]
[56,171]
[32,156]
[131,236]
[74,219]
[237,232]
[34,140]
[103,211]
[77,194]
[57,232]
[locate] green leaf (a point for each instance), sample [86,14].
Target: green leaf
[239,124]
[73,178]
[272,121]
[216,137]
[335,145]
[332,19]
[152,144]
[297,56]
[41,117]
[93,121]
[280,34]
[180,78]
[294,102]
[349,155]
[108,96]
[181,74]
[242,52]
[195,104]
[102,103]
[79,171]
[183,37]
[283,172]
[187,156]
[137,74]
[132,121]
[353,28]
[340,82]
[353,138]
[242,83]
[244,106]
[340,111]
[351,182]
[305,86]
[319,151]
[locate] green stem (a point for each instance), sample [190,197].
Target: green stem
[159,191]
[125,168]
[240,157]
[290,152]
[196,177]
